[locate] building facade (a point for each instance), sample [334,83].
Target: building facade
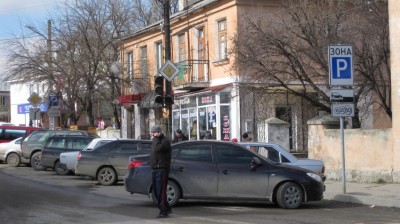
[209,93]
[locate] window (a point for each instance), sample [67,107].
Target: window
[222,40]
[182,47]
[143,61]
[201,53]
[130,65]
[159,55]
[196,153]
[58,143]
[3,101]
[232,155]
[78,143]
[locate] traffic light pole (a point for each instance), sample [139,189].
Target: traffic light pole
[167,52]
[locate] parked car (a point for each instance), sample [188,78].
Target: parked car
[278,154]
[68,160]
[10,152]
[216,170]
[108,163]
[32,145]
[55,145]
[11,132]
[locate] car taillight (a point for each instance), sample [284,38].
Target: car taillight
[134,163]
[79,156]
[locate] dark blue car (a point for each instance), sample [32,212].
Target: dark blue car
[216,170]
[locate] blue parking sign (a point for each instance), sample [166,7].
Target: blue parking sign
[340,65]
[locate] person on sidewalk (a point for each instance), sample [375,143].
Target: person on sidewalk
[160,164]
[179,136]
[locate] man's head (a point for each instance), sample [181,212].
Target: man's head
[178,132]
[155,130]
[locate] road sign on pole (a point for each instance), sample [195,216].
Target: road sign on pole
[169,70]
[340,65]
[34,99]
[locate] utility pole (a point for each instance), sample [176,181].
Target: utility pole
[167,52]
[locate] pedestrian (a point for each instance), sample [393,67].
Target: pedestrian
[179,136]
[160,164]
[244,137]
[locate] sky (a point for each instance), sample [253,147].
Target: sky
[16,14]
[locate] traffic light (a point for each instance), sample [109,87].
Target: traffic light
[168,100]
[159,89]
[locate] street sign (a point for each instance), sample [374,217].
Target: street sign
[342,109]
[53,112]
[342,95]
[169,70]
[340,65]
[34,99]
[34,114]
[53,100]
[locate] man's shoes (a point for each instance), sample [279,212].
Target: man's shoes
[162,215]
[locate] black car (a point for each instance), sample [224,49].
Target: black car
[109,163]
[216,170]
[55,145]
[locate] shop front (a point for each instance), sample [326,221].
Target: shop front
[204,115]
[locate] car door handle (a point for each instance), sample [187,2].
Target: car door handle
[226,172]
[181,169]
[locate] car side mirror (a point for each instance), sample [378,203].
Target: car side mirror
[255,162]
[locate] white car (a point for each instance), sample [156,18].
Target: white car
[68,160]
[278,154]
[10,152]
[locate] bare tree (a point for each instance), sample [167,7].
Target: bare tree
[289,50]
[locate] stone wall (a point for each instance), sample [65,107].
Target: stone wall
[369,155]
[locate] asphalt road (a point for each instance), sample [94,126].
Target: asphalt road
[34,197]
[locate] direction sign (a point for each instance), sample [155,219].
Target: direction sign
[169,70]
[53,99]
[340,65]
[343,109]
[342,95]
[34,99]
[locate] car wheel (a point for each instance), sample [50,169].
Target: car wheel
[289,195]
[58,170]
[13,159]
[107,176]
[35,162]
[173,193]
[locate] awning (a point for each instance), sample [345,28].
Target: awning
[148,101]
[208,89]
[130,99]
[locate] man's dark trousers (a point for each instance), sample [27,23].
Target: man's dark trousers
[160,181]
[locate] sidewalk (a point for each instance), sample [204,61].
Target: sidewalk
[373,194]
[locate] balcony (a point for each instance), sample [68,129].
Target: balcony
[194,74]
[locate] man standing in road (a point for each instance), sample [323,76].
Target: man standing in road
[160,164]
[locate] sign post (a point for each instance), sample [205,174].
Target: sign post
[342,97]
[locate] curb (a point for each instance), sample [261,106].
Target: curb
[370,200]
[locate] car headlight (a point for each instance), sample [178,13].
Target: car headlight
[315,176]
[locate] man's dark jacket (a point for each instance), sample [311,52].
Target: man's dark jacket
[160,153]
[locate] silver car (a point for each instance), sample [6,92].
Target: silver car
[109,163]
[278,154]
